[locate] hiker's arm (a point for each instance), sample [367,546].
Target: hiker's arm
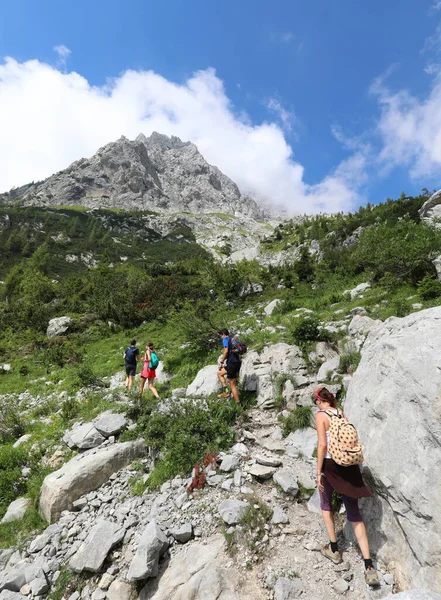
[320,421]
[223,357]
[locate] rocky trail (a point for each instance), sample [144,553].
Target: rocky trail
[254,530]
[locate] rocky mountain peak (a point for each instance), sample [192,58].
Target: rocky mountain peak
[156,173]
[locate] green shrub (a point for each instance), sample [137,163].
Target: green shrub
[257,515]
[306,329]
[87,378]
[349,360]
[401,307]
[429,288]
[184,430]
[11,424]
[11,482]
[299,418]
[18,532]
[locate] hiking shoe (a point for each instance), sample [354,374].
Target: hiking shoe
[334,556]
[371,578]
[224,395]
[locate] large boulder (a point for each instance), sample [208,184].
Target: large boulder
[152,545]
[84,473]
[201,573]
[109,423]
[58,326]
[92,553]
[205,382]
[259,369]
[16,510]
[84,437]
[394,400]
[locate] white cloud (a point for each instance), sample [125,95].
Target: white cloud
[287,117]
[62,51]
[437,5]
[49,118]
[410,129]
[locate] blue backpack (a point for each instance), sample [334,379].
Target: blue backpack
[131,353]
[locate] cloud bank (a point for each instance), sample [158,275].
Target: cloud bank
[49,118]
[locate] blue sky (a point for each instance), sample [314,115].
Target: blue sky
[349,88]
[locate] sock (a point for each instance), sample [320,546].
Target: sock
[368,563]
[334,546]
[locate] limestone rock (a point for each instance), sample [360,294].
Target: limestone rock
[279,516]
[8,595]
[83,474]
[205,382]
[83,437]
[328,369]
[258,370]
[92,553]
[288,589]
[183,534]
[152,545]
[362,325]
[262,472]
[58,326]
[229,463]
[109,423]
[201,573]
[431,209]
[269,308]
[120,590]
[417,595]
[22,440]
[268,461]
[287,482]
[359,289]
[301,442]
[394,401]
[16,510]
[232,511]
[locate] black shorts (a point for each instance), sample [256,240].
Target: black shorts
[130,370]
[233,370]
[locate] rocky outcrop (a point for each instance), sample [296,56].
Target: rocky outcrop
[205,383]
[157,173]
[58,326]
[394,399]
[259,369]
[431,209]
[92,553]
[83,474]
[16,510]
[201,574]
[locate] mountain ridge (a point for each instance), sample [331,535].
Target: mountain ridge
[157,173]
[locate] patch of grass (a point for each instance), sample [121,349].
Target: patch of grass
[299,418]
[257,515]
[349,359]
[18,533]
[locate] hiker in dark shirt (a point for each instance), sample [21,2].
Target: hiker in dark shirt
[231,370]
[131,357]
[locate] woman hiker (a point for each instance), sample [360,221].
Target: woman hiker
[148,373]
[344,480]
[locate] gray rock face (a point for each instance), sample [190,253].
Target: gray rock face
[232,511]
[431,209]
[229,463]
[394,401]
[288,589]
[258,370]
[93,551]
[156,173]
[417,595]
[183,534]
[16,510]
[152,545]
[83,474]
[120,590]
[7,595]
[269,308]
[205,382]
[201,574]
[262,471]
[287,482]
[108,423]
[58,326]
[84,437]
[302,441]
[327,370]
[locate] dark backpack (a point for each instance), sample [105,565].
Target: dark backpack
[131,354]
[238,347]
[154,361]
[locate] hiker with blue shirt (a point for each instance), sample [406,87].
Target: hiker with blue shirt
[229,365]
[131,357]
[148,373]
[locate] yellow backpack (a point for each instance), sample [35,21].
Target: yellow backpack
[344,445]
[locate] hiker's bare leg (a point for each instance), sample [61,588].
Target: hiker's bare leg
[130,378]
[141,385]
[221,376]
[362,539]
[328,518]
[153,389]
[234,390]
[127,381]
